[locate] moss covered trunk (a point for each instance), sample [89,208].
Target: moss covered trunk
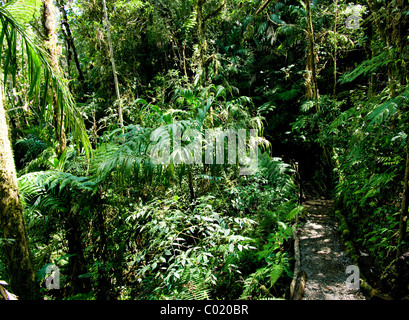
[49,25]
[15,248]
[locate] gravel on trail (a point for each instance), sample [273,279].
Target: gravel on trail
[322,257]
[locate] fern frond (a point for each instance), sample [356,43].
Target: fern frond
[32,147]
[123,161]
[388,109]
[194,287]
[367,67]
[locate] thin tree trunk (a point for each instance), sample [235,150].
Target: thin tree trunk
[104,282]
[147,65]
[371,89]
[111,55]
[311,84]
[17,253]
[201,28]
[334,89]
[311,87]
[263,6]
[70,41]
[184,61]
[49,25]
[68,54]
[76,262]
[191,188]
[404,206]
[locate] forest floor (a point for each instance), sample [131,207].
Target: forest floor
[322,257]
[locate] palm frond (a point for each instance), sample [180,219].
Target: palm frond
[38,61]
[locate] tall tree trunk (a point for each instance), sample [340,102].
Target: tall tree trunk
[371,89]
[404,206]
[190,181]
[17,253]
[184,60]
[49,25]
[201,29]
[104,282]
[70,42]
[334,88]
[76,262]
[311,87]
[111,55]
[147,68]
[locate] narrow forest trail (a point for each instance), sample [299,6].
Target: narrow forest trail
[322,257]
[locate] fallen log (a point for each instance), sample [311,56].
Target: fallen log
[297,286]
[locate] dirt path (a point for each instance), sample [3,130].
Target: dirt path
[322,257]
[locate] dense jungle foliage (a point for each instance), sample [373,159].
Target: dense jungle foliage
[90,87]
